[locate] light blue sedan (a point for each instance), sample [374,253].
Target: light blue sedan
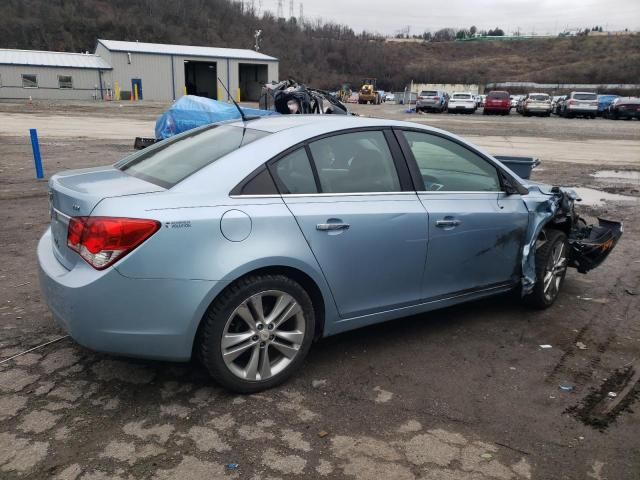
[242,243]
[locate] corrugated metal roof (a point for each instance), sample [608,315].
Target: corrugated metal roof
[186,50]
[36,58]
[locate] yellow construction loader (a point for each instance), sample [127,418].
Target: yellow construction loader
[368,92]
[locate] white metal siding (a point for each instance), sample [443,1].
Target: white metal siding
[153,70]
[85,83]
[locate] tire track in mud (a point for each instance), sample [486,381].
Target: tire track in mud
[589,335]
[598,408]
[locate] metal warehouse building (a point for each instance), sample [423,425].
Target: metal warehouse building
[153,71]
[67,76]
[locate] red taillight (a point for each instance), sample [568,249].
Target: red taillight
[570,102]
[101,241]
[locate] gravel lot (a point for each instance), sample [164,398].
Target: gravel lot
[465,393]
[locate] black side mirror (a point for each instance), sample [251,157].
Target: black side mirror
[510,189]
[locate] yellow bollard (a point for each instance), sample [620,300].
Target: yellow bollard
[117,91]
[238,95]
[219,93]
[135,92]
[184,90]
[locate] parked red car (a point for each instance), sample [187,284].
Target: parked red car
[498,101]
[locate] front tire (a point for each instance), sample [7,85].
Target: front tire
[551,268]
[257,333]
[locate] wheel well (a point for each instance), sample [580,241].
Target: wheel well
[299,276]
[307,283]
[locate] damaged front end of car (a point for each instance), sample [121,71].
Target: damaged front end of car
[554,208]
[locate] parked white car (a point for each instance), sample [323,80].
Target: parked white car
[462,102]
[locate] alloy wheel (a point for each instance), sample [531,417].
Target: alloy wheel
[556,268]
[263,335]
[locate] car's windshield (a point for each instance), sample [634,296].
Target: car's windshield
[461,96]
[585,96]
[500,95]
[174,159]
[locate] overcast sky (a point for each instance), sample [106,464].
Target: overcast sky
[539,16]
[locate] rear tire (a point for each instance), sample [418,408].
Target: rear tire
[240,319]
[551,268]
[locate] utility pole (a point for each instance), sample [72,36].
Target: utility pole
[280,12]
[290,8]
[301,12]
[256,36]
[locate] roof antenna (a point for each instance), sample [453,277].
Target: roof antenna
[242,115]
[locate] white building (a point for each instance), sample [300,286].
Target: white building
[156,71]
[66,76]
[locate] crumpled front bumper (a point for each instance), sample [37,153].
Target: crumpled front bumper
[590,245]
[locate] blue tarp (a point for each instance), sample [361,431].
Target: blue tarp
[191,111]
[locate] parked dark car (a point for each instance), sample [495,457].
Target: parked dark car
[625,108]
[497,101]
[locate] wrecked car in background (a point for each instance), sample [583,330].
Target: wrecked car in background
[241,243]
[289,97]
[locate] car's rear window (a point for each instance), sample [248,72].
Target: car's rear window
[461,96]
[540,97]
[501,95]
[173,160]
[585,96]
[428,93]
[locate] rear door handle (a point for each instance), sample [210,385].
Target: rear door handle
[447,223]
[323,227]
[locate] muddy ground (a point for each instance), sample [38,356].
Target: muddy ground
[463,393]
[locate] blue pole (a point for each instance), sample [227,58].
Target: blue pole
[35,146]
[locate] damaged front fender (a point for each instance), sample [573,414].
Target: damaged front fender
[553,207]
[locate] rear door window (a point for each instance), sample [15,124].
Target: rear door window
[294,173]
[175,159]
[354,163]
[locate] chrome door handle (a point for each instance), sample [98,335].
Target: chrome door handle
[323,227]
[449,223]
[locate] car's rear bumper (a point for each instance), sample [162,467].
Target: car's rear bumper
[537,109]
[461,107]
[429,104]
[496,108]
[582,110]
[108,312]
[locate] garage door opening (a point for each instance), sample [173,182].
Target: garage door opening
[201,79]
[252,78]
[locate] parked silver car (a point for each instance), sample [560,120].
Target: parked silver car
[578,104]
[535,104]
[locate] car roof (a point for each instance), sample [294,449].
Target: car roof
[278,123]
